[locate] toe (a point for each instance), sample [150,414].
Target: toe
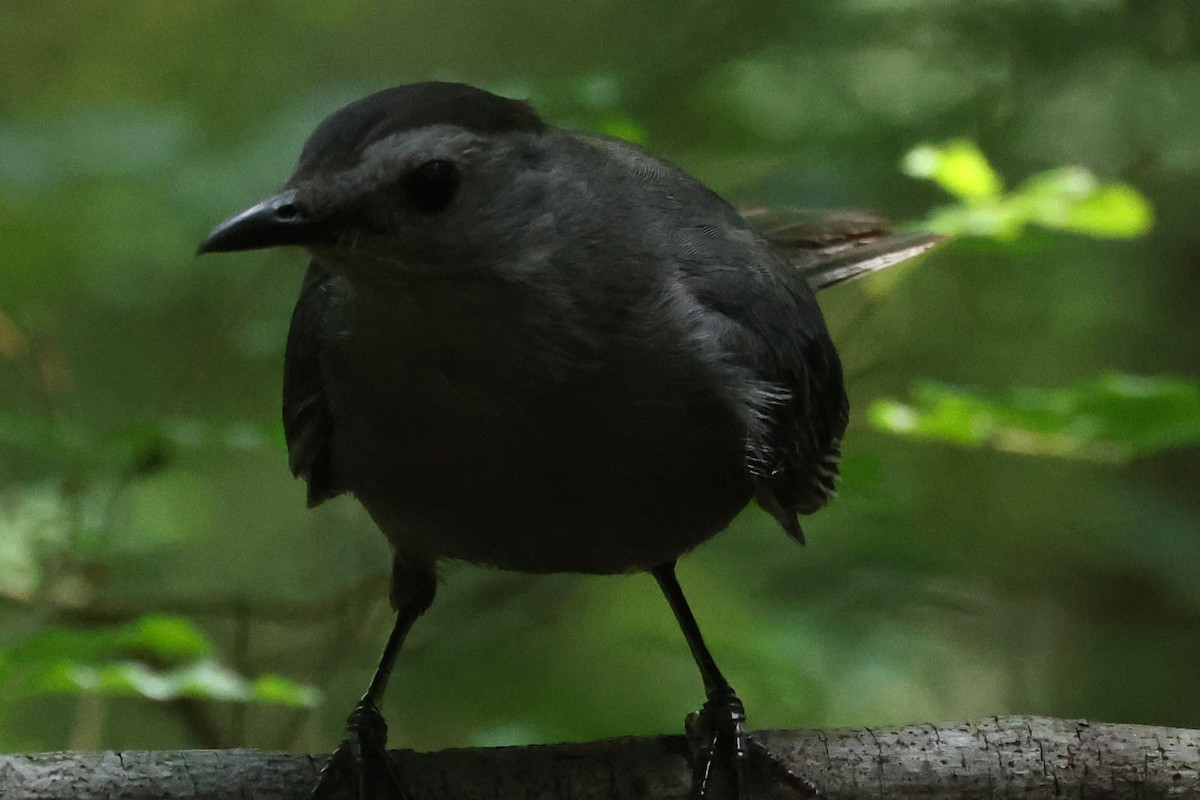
[722,752]
[361,768]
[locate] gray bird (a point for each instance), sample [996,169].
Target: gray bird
[548,351]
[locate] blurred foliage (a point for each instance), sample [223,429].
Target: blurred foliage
[97,661]
[141,471]
[1070,198]
[1113,418]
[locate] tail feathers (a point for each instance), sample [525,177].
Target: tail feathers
[832,247]
[850,261]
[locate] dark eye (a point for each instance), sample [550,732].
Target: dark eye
[431,187]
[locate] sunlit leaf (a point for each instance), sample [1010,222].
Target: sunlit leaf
[171,639]
[203,680]
[277,690]
[102,661]
[1114,418]
[1070,198]
[958,167]
[622,127]
[993,220]
[167,637]
[1112,210]
[1074,199]
[209,680]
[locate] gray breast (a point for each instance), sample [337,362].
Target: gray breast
[473,431]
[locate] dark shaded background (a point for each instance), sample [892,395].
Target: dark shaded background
[143,469]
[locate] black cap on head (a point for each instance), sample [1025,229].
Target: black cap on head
[339,141]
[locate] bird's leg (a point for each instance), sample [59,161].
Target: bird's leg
[717,732]
[361,768]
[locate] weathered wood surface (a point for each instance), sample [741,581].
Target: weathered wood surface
[1027,757]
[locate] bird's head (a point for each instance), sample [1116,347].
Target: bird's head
[413,178]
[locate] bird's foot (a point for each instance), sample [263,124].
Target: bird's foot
[721,747]
[361,769]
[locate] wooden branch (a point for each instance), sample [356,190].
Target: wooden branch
[1027,757]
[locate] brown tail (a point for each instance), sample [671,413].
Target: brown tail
[832,247]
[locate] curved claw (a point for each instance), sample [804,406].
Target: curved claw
[361,767]
[783,774]
[718,734]
[719,740]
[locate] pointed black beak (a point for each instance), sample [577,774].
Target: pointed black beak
[274,222]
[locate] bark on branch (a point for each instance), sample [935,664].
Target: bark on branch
[1028,757]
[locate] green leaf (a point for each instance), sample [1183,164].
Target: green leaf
[204,680]
[1074,199]
[992,220]
[1069,198]
[277,690]
[171,639]
[622,127]
[1114,418]
[958,167]
[101,661]
[1113,210]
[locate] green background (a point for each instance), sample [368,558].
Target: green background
[142,468]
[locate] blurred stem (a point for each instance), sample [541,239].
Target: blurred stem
[88,727]
[335,652]
[197,716]
[846,331]
[241,658]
